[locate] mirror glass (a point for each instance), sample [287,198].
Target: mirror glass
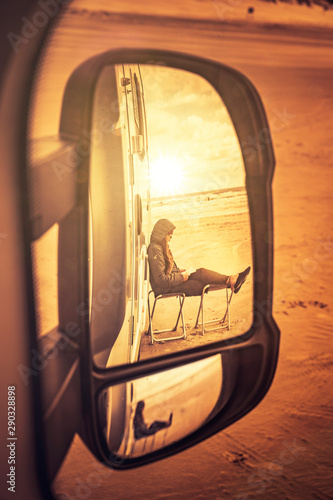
[158,410]
[164,147]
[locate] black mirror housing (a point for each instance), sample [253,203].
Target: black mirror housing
[249,361]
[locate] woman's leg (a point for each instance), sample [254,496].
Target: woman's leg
[202,277]
[157,425]
[198,280]
[190,288]
[208,277]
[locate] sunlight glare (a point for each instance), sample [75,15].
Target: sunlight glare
[167,175]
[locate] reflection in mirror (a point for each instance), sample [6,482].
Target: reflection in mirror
[194,177]
[158,410]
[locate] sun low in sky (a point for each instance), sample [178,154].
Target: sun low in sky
[192,143]
[167,175]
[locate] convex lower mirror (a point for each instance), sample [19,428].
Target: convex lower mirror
[165,163]
[145,415]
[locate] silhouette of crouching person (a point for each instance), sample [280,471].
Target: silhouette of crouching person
[141,429]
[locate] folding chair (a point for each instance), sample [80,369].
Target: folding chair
[214,288]
[181,297]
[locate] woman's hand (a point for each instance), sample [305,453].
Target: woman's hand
[185,275]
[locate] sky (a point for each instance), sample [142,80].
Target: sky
[191,140]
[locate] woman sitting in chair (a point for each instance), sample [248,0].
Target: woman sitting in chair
[166,277]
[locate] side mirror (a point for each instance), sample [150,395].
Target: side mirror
[135,411]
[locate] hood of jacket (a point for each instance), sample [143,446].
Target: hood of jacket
[160,230]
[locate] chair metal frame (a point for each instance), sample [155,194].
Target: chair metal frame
[181,297]
[213,288]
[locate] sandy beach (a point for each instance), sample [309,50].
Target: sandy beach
[283,448]
[212,231]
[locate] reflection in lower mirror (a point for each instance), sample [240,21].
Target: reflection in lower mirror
[147,414]
[193,177]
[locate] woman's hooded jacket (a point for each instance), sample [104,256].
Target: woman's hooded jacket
[160,280]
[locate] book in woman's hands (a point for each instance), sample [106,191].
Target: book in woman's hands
[190,271]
